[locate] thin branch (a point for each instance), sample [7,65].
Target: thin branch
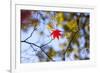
[30,34]
[73,37]
[25,41]
[33,47]
[46,54]
[40,48]
[46,43]
[31,43]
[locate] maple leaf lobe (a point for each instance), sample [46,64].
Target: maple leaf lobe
[56,34]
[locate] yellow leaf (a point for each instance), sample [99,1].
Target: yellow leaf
[51,52]
[68,51]
[50,26]
[63,46]
[75,51]
[60,25]
[72,25]
[24,26]
[67,34]
[34,22]
[59,17]
[87,28]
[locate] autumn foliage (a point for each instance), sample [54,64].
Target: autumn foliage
[56,34]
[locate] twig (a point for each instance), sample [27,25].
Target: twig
[73,37]
[31,43]
[46,43]
[40,48]
[25,41]
[46,54]
[33,47]
[30,34]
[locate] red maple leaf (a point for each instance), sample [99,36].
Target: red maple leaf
[56,34]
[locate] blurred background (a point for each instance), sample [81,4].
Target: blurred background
[37,44]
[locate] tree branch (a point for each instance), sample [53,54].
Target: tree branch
[33,47]
[40,48]
[46,43]
[46,54]
[30,34]
[73,37]
[31,43]
[25,41]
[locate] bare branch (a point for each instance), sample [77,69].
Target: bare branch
[46,43]
[46,54]
[25,41]
[31,43]
[40,48]
[33,47]
[30,34]
[73,37]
